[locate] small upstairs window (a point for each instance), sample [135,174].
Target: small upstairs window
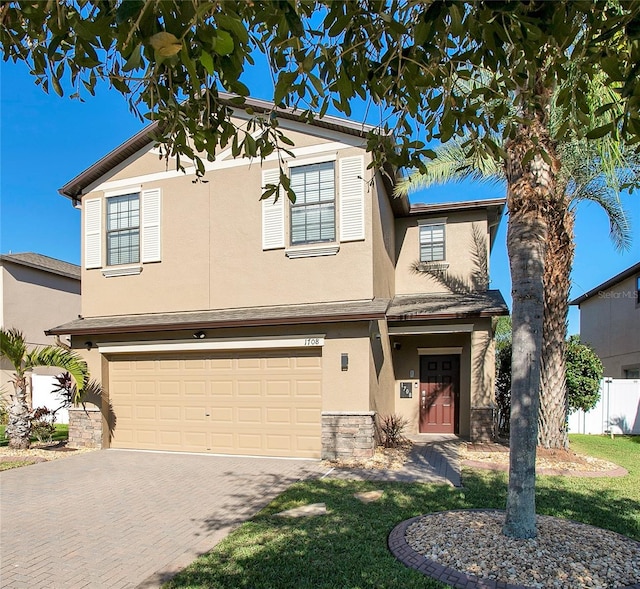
[123,229]
[313,215]
[432,247]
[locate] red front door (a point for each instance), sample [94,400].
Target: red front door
[439,393]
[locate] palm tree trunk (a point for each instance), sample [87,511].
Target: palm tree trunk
[530,191]
[19,424]
[552,422]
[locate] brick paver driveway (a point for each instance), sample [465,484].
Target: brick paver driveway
[113,519]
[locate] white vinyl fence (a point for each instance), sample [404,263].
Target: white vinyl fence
[617,411]
[42,396]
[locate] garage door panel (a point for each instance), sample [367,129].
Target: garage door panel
[196,388]
[267,405]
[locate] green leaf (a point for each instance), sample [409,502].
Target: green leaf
[134,60]
[599,132]
[224,43]
[128,9]
[207,62]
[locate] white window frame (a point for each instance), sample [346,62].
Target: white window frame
[109,199]
[297,206]
[430,224]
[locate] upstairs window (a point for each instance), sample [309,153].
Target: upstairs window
[637,290]
[313,215]
[432,242]
[123,229]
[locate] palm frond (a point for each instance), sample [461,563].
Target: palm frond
[619,225]
[452,164]
[51,356]
[13,347]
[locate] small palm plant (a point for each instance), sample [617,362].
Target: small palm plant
[14,348]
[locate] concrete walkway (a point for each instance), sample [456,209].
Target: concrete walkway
[117,519]
[433,459]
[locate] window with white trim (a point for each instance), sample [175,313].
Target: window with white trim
[123,229]
[329,208]
[313,214]
[432,245]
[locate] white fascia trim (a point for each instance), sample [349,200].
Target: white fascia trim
[204,345]
[122,191]
[320,159]
[439,351]
[427,329]
[103,180]
[312,252]
[128,271]
[218,164]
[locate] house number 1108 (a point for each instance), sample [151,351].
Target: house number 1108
[312,341]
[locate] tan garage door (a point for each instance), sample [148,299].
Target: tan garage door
[256,404]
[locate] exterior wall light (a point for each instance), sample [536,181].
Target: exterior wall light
[344,362]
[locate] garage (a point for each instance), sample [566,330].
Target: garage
[260,403]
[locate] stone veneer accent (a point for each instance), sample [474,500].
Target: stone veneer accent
[482,425]
[85,427]
[347,434]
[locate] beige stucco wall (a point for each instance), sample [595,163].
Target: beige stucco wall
[212,255]
[381,370]
[458,249]
[33,301]
[383,242]
[610,322]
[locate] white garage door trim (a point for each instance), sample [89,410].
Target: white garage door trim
[206,345]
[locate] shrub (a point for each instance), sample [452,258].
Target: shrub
[4,406]
[584,372]
[503,389]
[391,428]
[42,424]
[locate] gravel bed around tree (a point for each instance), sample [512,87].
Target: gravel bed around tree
[564,555]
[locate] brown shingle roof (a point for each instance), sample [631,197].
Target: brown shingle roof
[242,317]
[45,263]
[447,306]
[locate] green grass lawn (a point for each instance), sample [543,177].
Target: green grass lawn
[347,549]
[61,434]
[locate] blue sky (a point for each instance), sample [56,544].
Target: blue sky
[46,140]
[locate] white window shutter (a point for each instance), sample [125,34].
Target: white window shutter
[92,210]
[150,224]
[352,198]
[272,214]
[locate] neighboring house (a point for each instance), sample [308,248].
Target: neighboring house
[610,322]
[221,323]
[36,292]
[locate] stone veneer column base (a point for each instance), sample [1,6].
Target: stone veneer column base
[85,427]
[348,434]
[482,425]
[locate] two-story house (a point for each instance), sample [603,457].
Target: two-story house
[610,322]
[221,323]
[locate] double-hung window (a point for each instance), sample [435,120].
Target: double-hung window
[313,215]
[123,229]
[432,247]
